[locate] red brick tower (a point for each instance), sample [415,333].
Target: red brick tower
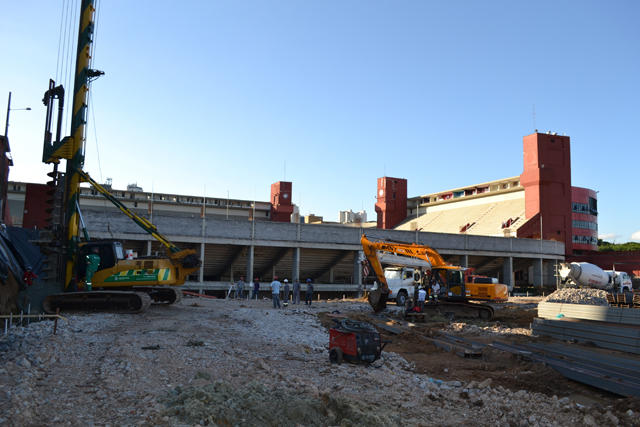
[281,206]
[391,206]
[547,185]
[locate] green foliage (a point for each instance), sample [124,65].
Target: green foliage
[604,246]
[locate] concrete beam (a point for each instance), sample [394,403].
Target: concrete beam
[229,262]
[273,262]
[329,266]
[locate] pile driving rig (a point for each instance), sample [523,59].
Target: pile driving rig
[120,284]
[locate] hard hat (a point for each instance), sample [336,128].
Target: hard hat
[308,280]
[286,281]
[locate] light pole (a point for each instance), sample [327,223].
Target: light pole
[6,124]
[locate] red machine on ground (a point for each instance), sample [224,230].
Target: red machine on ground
[357,342]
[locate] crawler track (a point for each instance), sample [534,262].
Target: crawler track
[161,294]
[97,301]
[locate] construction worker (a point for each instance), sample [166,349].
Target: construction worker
[296,292]
[285,300]
[256,288]
[435,290]
[93,262]
[422,295]
[308,296]
[240,288]
[275,292]
[28,276]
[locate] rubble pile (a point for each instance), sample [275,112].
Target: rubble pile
[216,362]
[493,330]
[578,296]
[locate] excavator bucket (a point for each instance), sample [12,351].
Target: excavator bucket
[378,299]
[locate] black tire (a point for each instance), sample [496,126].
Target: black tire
[401,298]
[335,355]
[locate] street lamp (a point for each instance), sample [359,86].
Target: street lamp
[6,125]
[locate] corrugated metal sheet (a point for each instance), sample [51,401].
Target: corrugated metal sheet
[607,335]
[614,374]
[627,316]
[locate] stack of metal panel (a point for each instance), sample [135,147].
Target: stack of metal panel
[620,375]
[607,335]
[601,313]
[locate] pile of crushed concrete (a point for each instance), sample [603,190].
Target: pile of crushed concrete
[578,296]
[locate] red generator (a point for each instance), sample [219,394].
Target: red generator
[357,342]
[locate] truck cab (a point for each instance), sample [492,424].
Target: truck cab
[401,282]
[621,281]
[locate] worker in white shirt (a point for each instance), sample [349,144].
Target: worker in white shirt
[435,290]
[422,295]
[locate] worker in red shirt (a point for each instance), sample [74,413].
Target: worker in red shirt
[28,276]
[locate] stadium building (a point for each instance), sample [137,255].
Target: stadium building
[541,202]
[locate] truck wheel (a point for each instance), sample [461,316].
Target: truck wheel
[401,298]
[335,355]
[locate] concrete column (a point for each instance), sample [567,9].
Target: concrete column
[249,275]
[331,271]
[464,260]
[538,272]
[507,272]
[542,277]
[201,278]
[295,273]
[149,248]
[357,270]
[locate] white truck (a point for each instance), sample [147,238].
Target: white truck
[400,281]
[588,275]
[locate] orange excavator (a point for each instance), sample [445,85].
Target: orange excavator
[424,265]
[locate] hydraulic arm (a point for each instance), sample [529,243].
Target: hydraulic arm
[188,258]
[145,224]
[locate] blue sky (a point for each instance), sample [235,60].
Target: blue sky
[210,97]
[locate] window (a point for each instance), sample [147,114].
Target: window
[583,208]
[585,224]
[585,240]
[593,206]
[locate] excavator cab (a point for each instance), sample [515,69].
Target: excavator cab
[452,285]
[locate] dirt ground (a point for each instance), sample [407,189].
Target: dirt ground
[219,362]
[502,368]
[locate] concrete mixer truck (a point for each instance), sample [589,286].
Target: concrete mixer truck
[587,275]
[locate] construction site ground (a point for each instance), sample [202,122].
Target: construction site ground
[239,362]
